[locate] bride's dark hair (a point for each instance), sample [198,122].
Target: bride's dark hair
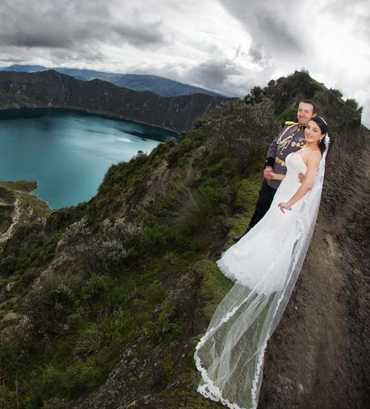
[324,130]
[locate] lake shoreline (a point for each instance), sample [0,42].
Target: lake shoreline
[68,151]
[92,112]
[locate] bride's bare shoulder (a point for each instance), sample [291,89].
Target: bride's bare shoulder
[314,156]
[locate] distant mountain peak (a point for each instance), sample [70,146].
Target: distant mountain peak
[162,86]
[51,88]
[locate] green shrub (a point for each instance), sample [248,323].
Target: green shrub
[95,285]
[119,297]
[156,293]
[140,158]
[219,168]
[236,129]
[195,210]
[8,265]
[179,151]
[48,306]
[76,231]
[8,399]
[289,114]
[352,103]
[338,93]
[90,340]
[169,371]
[105,249]
[161,237]
[156,237]
[164,322]
[72,381]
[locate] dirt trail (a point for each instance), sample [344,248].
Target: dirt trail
[319,354]
[15,216]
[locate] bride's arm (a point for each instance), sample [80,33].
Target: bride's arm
[313,162]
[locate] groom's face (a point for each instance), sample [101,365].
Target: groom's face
[305,113]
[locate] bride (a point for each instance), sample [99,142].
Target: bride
[264,265]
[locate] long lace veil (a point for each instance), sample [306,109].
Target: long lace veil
[230,355]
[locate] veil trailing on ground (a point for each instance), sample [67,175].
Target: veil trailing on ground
[230,355]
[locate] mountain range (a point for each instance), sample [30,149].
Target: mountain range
[55,90]
[159,85]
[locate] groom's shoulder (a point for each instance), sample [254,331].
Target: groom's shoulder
[290,123]
[288,126]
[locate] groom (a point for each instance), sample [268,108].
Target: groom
[290,139]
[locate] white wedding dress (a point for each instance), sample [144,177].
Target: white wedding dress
[264,265]
[252,261]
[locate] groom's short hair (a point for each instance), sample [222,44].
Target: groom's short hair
[308,101]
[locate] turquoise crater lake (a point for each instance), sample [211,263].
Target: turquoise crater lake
[68,152]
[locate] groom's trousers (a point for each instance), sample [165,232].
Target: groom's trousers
[265,198]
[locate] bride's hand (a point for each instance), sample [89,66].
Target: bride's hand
[284,206]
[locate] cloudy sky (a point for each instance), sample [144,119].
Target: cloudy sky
[224,45]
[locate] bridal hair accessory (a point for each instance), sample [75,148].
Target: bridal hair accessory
[322,124]
[323,120]
[326,140]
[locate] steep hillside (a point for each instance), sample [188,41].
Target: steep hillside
[52,89]
[159,85]
[18,207]
[111,296]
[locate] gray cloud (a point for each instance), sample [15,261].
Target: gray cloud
[139,35]
[277,32]
[225,76]
[357,11]
[24,38]
[364,25]
[259,55]
[345,9]
[70,25]
[256,54]
[269,25]
[15,59]
[213,73]
[281,27]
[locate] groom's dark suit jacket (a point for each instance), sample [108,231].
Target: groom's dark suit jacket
[290,139]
